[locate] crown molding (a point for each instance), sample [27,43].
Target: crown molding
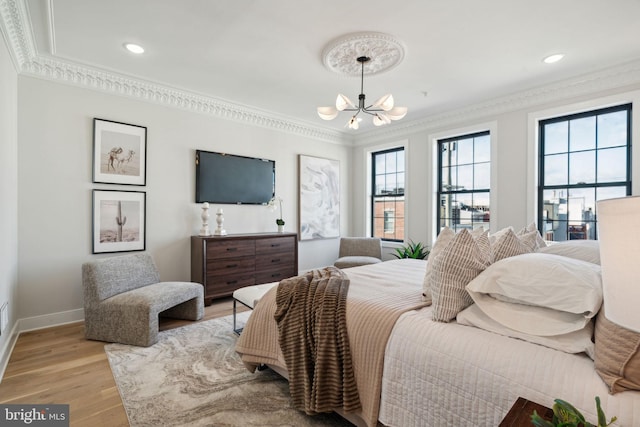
[611,78]
[20,42]
[14,25]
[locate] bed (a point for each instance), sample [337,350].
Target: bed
[434,373]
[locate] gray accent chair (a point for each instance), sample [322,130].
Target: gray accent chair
[356,251]
[123,297]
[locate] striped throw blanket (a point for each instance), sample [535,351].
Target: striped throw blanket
[312,332]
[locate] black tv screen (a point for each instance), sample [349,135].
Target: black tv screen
[230,179]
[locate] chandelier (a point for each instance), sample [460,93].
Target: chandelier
[382,110]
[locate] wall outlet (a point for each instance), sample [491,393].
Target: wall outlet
[4,317]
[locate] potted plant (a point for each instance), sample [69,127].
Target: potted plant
[412,250]
[566,415]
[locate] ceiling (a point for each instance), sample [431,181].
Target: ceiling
[268,55]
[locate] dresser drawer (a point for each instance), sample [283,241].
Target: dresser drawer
[225,267]
[268,276]
[221,286]
[275,244]
[221,249]
[271,261]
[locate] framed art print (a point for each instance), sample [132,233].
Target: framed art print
[119,153]
[118,221]
[319,198]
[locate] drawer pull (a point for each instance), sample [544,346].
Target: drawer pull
[275,275]
[275,260]
[232,282]
[232,265]
[232,249]
[275,245]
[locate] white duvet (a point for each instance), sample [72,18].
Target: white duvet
[446,374]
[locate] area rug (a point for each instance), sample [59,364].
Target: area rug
[193,377]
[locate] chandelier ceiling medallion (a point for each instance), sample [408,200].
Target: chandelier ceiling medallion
[348,56]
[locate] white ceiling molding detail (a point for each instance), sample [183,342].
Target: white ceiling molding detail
[385,52]
[611,78]
[12,16]
[13,19]
[14,24]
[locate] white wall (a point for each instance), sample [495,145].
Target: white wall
[55,189]
[513,182]
[8,198]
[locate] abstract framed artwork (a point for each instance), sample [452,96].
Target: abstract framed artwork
[119,221]
[319,198]
[119,153]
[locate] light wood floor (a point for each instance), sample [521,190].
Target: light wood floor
[58,365]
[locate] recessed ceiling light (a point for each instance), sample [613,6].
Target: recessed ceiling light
[553,58]
[134,48]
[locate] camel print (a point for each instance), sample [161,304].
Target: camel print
[117,157]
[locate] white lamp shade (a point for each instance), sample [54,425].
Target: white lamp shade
[397,113]
[327,113]
[385,103]
[381,119]
[619,237]
[353,123]
[343,102]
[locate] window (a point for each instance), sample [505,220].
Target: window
[584,158]
[387,208]
[464,180]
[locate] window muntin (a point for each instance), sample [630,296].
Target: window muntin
[584,158]
[464,181]
[388,176]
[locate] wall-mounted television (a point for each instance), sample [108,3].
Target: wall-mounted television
[230,179]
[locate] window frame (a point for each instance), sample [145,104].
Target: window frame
[541,188]
[375,196]
[439,176]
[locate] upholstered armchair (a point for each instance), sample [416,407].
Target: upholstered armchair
[123,297]
[355,251]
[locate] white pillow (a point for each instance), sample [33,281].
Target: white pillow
[585,250]
[539,294]
[573,342]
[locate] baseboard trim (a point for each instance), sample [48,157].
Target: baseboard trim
[5,353]
[50,320]
[32,324]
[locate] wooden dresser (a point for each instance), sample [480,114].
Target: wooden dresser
[225,263]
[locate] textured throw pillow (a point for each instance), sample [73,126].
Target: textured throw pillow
[508,245]
[460,262]
[585,250]
[539,294]
[495,236]
[617,358]
[537,240]
[445,236]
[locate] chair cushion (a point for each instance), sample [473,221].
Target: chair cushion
[354,261]
[250,295]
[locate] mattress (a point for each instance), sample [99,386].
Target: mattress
[445,374]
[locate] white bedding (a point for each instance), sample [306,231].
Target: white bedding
[446,374]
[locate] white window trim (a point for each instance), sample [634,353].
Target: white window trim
[432,202]
[534,119]
[369,190]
